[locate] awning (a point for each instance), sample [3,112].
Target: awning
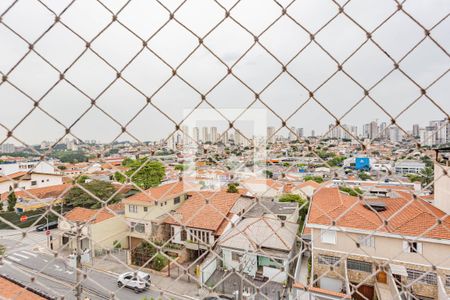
[398,270]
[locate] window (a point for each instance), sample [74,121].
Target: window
[420,276]
[34,182]
[328,236]
[145,208]
[447,281]
[367,241]
[329,260]
[359,265]
[133,208]
[412,247]
[236,256]
[176,200]
[15,185]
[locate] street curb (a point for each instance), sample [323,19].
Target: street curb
[103,271]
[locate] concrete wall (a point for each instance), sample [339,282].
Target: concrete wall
[442,188]
[154,210]
[103,234]
[387,248]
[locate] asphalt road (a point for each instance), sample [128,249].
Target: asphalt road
[53,275]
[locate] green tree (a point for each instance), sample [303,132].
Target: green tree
[232,188]
[291,198]
[101,189]
[81,179]
[181,167]
[159,262]
[269,174]
[127,162]
[364,176]
[143,173]
[352,192]
[318,179]
[336,161]
[12,199]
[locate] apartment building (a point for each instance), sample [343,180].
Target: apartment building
[393,247]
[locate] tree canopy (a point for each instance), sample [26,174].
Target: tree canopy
[143,173]
[101,189]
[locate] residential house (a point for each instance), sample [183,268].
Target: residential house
[390,247]
[100,228]
[261,247]
[36,198]
[146,210]
[202,219]
[27,180]
[285,211]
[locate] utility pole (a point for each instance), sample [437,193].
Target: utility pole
[78,290]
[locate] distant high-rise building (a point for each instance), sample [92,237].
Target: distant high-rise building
[213,135]
[335,132]
[300,132]
[427,136]
[237,138]
[313,133]
[7,148]
[415,131]
[196,134]
[365,132]
[205,135]
[440,129]
[186,135]
[373,130]
[225,138]
[394,134]
[384,133]
[292,136]
[349,132]
[270,134]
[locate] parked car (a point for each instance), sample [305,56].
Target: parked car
[47,226]
[137,281]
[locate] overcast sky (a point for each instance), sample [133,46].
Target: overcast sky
[229,41]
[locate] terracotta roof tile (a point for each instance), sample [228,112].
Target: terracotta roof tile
[80,214]
[11,290]
[14,176]
[195,212]
[54,191]
[162,192]
[405,215]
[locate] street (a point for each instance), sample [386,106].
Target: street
[22,261]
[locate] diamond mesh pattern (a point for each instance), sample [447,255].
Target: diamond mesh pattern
[181,61]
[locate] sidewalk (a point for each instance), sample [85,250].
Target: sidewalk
[163,283]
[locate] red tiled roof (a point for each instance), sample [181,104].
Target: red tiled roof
[160,193]
[55,191]
[14,176]
[10,290]
[209,215]
[80,214]
[404,214]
